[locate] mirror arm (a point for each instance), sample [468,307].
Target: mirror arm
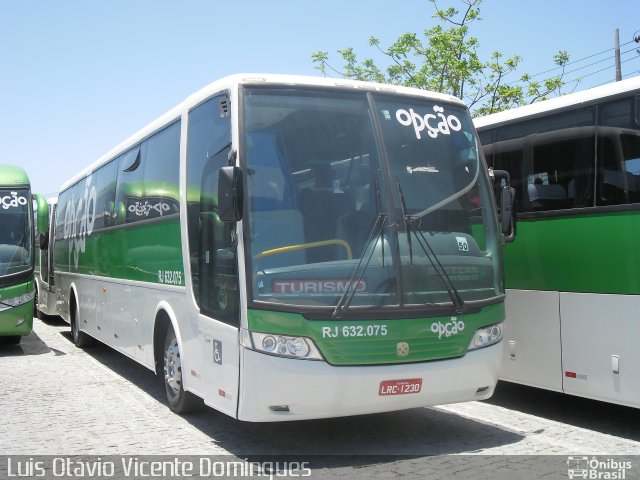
[507,199]
[230,194]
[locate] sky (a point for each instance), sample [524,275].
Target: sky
[77,77]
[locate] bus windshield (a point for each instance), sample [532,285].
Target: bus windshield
[16,242]
[366,199]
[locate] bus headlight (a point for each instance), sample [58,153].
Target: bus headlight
[486,336]
[19,300]
[283,346]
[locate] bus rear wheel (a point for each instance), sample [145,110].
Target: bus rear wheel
[179,400]
[13,339]
[80,339]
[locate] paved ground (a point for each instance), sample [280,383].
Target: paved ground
[56,399]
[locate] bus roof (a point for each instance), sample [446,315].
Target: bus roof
[558,103]
[232,82]
[13,176]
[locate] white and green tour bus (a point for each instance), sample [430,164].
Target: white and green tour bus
[573,273]
[45,299]
[292,248]
[17,252]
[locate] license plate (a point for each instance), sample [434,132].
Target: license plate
[400,387]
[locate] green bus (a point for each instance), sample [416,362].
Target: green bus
[17,252]
[290,248]
[573,274]
[45,299]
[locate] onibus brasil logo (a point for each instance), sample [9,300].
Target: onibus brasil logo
[79,220]
[597,469]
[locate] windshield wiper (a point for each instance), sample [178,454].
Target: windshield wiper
[376,231]
[406,219]
[409,223]
[378,212]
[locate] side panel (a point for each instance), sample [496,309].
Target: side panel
[46,297]
[122,314]
[532,351]
[600,335]
[217,347]
[90,322]
[117,311]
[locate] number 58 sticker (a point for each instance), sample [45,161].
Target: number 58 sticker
[463,245]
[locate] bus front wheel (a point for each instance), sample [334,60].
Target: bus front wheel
[179,400]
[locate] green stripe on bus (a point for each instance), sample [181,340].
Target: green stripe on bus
[128,253]
[596,253]
[370,342]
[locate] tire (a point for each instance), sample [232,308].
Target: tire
[37,313]
[35,303]
[179,400]
[13,339]
[80,339]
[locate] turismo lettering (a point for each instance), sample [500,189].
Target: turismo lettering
[316,286]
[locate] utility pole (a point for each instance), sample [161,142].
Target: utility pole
[618,68]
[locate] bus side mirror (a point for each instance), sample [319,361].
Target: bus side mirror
[507,198]
[42,213]
[507,216]
[43,241]
[230,193]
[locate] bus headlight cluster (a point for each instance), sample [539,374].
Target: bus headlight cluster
[486,336]
[19,300]
[283,346]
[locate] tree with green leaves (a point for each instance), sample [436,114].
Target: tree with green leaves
[446,60]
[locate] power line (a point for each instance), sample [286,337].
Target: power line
[612,56]
[599,61]
[579,60]
[631,74]
[611,51]
[610,67]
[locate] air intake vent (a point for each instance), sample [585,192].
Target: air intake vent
[224,107]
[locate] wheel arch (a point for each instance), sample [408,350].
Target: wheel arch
[164,317]
[74,299]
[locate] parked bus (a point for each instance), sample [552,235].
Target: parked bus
[17,252]
[291,248]
[573,274]
[45,299]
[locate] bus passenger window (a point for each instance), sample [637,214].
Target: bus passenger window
[618,154]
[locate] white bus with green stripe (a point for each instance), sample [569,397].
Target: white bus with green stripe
[17,252]
[291,248]
[573,273]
